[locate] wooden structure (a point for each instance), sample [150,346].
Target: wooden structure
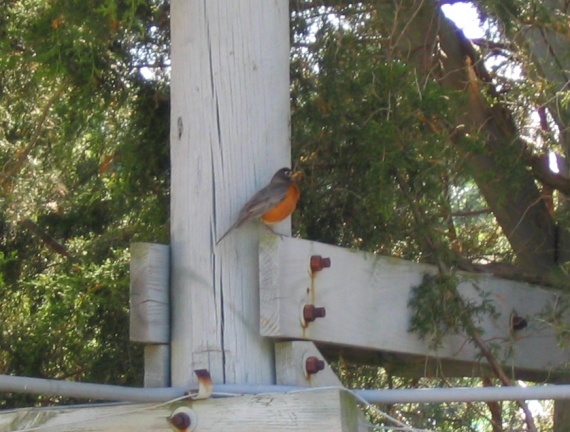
[365,297]
[233,304]
[337,412]
[229,134]
[150,309]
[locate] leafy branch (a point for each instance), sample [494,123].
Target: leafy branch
[438,309]
[16,163]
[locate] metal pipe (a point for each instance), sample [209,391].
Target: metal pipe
[14,384]
[52,387]
[435,395]
[466,394]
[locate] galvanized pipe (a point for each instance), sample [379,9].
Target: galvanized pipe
[52,387]
[14,384]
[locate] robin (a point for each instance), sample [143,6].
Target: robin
[273,203]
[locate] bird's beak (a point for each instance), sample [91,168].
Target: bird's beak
[297,176]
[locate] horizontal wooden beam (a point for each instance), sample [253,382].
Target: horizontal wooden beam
[366,297]
[319,410]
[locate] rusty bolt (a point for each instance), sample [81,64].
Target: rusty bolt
[311,313]
[314,365]
[180,421]
[318,263]
[518,323]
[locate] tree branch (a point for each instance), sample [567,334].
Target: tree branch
[497,368]
[470,328]
[15,164]
[44,237]
[467,213]
[495,409]
[542,172]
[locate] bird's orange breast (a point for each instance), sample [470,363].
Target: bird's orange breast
[284,208]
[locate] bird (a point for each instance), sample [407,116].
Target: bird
[272,204]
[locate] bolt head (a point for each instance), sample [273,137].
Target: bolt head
[311,313]
[318,263]
[180,421]
[313,365]
[518,323]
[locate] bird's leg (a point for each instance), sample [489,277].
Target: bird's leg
[270,229]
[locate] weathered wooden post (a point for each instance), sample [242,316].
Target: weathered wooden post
[150,309]
[229,134]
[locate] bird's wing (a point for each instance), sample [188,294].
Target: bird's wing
[263,201]
[259,204]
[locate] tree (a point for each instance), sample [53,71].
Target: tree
[458,104]
[84,157]
[415,148]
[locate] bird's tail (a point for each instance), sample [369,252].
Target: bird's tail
[227,232]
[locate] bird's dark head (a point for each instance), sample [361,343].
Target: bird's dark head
[282,176]
[285,175]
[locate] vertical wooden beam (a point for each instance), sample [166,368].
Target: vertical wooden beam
[291,365]
[157,365]
[150,309]
[149,293]
[229,134]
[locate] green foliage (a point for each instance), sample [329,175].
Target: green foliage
[71,321]
[438,309]
[85,171]
[441,417]
[364,127]
[85,167]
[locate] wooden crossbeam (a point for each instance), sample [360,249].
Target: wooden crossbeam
[319,410]
[366,297]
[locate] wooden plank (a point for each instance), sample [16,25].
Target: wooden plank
[319,410]
[290,360]
[229,134]
[157,365]
[149,293]
[366,299]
